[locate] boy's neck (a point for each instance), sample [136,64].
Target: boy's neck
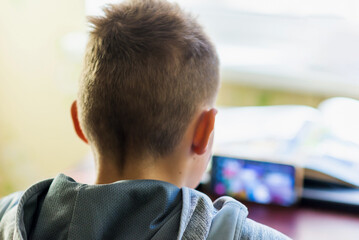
[153,169]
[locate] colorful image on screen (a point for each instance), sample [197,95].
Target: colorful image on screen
[262,182]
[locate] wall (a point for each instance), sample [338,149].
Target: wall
[235,94]
[38,80]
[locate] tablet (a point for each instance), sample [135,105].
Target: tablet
[256,181]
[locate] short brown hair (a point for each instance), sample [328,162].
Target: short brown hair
[148,67]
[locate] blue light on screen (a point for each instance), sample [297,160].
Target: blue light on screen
[262,182]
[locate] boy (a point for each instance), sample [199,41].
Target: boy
[145,107]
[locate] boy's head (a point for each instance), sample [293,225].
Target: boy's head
[148,68]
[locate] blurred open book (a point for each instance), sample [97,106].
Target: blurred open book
[324,141]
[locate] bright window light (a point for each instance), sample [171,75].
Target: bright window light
[303,46]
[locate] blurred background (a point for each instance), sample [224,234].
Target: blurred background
[272,53]
[39,70]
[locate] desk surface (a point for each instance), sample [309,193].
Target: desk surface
[306,222]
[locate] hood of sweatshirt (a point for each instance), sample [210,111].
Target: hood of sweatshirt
[61,208]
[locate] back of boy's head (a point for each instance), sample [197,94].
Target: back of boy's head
[148,68]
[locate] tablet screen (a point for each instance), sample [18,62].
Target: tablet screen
[262,182]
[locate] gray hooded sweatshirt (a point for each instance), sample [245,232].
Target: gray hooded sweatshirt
[61,208]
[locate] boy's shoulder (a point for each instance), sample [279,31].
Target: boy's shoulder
[11,210]
[9,202]
[227,219]
[232,222]
[8,210]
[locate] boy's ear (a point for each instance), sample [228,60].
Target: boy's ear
[203,131]
[76,122]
